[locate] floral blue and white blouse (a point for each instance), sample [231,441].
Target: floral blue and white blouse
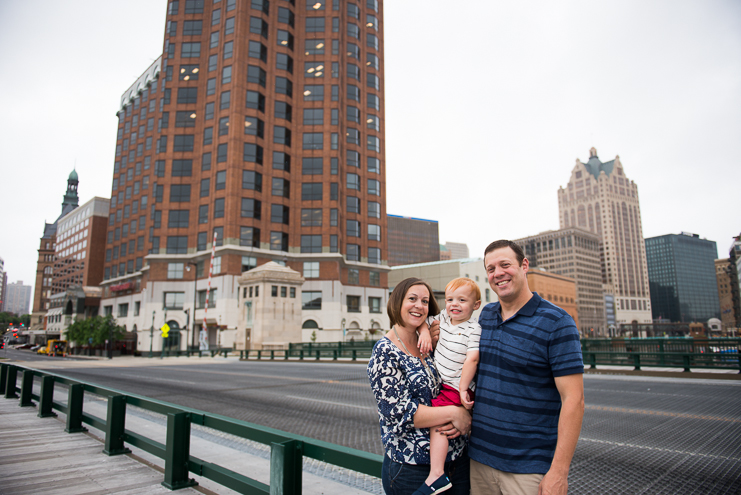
[401,384]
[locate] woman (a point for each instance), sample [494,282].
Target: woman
[404,383]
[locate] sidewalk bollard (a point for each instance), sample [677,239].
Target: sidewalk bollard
[177,452]
[26,389]
[46,397]
[74,408]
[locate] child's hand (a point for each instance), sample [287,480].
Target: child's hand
[465,399]
[424,343]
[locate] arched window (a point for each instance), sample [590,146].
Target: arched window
[310,324]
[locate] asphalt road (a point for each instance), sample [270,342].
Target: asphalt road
[640,434]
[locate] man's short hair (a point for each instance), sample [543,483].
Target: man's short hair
[396,298]
[504,243]
[464,282]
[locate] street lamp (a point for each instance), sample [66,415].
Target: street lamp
[195,293]
[151,335]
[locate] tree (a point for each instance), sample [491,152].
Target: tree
[98,328]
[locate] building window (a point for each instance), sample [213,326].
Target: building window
[177,244]
[375,279]
[251,208]
[374,165]
[123,310]
[283,110]
[178,219]
[283,86]
[311,269]
[203,214]
[353,304]
[353,252]
[374,304]
[256,75]
[211,298]
[279,241]
[221,152]
[311,217]
[353,276]
[285,39]
[313,92]
[252,153]
[281,135]
[183,143]
[175,270]
[250,237]
[174,300]
[284,62]
[311,243]
[374,209]
[311,191]
[281,188]
[252,180]
[279,214]
[311,299]
[223,126]
[254,126]
[374,232]
[314,47]
[180,193]
[281,161]
[191,50]
[374,187]
[182,168]
[312,166]
[313,116]
[374,256]
[248,263]
[353,228]
[313,141]
[315,24]
[257,50]
[219,208]
[255,100]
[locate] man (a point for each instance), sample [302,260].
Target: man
[529,391]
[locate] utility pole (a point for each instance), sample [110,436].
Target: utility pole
[151,335]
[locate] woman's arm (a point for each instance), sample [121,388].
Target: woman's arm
[429,417]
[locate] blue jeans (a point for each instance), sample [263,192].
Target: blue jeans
[403,479]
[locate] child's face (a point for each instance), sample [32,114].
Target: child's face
[460,304]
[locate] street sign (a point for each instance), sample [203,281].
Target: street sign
[165,329]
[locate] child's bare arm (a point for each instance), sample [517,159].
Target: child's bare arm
[467,374]
[424,342]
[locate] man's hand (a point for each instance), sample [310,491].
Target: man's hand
[554,483]
[435,332]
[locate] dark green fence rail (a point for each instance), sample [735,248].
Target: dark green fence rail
[287,450]
[301,351]
[686,353]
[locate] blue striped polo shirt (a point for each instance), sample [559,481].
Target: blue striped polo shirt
[515,418]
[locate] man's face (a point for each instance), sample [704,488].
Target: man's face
[506,277]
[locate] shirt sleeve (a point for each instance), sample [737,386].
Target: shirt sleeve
[474,337]
[396,406]
[564,349]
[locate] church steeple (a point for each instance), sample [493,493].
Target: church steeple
[70,198]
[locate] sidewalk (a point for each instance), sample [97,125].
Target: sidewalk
[36,455]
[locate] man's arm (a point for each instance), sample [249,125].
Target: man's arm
[571,389]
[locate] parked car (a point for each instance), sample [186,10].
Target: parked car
[24,346]
[36,348]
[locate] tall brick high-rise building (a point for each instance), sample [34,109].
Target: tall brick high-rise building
[601,199]
[262,126]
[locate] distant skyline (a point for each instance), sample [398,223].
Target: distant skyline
[488,105]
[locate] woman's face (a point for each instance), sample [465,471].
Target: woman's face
[414,307]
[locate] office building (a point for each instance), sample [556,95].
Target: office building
[601,199]
[78,267]
[18,298]
[682,278]
[734,262]
[47,256]
[259,132]
[558,289]
[726,282]
[457,250]
[575,253]
[412,240]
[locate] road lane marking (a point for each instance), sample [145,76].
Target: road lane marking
[649,412]
[659,449]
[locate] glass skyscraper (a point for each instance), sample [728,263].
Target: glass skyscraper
[682,281]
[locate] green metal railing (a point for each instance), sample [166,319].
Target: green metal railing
[686,353]
[287,450]
[301,351]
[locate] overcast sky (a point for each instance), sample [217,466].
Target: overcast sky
[488,105]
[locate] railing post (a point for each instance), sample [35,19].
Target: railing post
[592,360]
[354,354]
[3,376]
[301,355]
[286,352]
[74,408]
[637,361]
[318,352]
[286,459]
[115,426]
[177,451]
[26,389]
[46,396]
[10,382]
[334,355]
[686,362]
